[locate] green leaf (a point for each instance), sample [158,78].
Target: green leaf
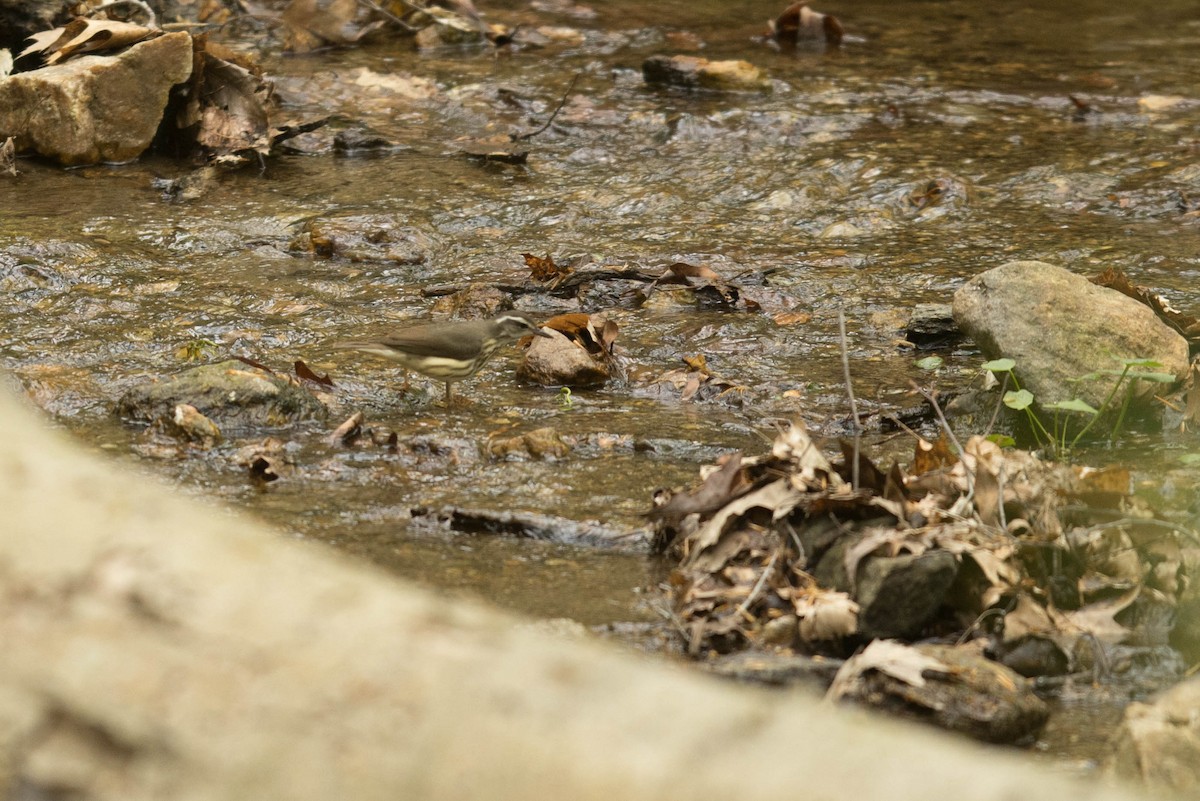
[930,363]
[1003,440]
[1073,405]
[1021,399]
[1150,363]
[999,366]
[1161,378]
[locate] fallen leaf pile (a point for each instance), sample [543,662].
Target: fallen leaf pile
[782,549]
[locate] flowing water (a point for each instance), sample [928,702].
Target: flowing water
[818,192]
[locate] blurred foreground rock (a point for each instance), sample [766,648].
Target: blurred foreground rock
[1159,742]
[95,108]
[157,649]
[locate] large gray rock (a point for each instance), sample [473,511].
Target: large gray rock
[95,108]
[1058,326]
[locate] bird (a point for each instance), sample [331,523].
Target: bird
[449,351]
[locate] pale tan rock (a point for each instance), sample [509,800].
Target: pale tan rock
[95,108]
[560,361]
[700,73]
[1158,743]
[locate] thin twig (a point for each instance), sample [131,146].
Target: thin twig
[1000,498]
[744,607]
[850,394]
[561,103]
[378,9]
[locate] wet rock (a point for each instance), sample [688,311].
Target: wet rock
[233,393]
[960,690]
[476,301]
[699,73]
[1158,743]
[531,525]
[95,108]
[897,595]
[1059,327]
[558,361]
[379,238]
[815,672]
[360,139]
[1033,655]
[541,443]
[931,325]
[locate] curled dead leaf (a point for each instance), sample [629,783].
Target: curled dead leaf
[82,35]
[799,23]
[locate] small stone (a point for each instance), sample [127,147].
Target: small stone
[1159,102]
[560,361]
[693,72]
[931,325]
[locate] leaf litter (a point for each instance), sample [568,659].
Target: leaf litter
[1054,552]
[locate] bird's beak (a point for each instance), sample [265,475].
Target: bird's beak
[541,332]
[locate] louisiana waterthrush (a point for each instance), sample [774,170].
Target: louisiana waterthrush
[450,351]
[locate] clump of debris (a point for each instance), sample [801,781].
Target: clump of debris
[971,571]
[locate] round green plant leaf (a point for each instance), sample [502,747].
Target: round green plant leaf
[1020,399]
[999,365]
[1073,405]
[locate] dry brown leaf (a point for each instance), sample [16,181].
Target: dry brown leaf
[791,318]
[544,268]
[1098,619]
[930,456]
[899,661]
[778,497]
[799,22]
[86,36]
[825,615]
[312,24]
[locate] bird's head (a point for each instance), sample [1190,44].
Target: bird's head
[514,325]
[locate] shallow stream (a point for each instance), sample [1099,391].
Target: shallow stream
[938,142]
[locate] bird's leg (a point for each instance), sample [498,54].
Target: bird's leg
[448,398]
